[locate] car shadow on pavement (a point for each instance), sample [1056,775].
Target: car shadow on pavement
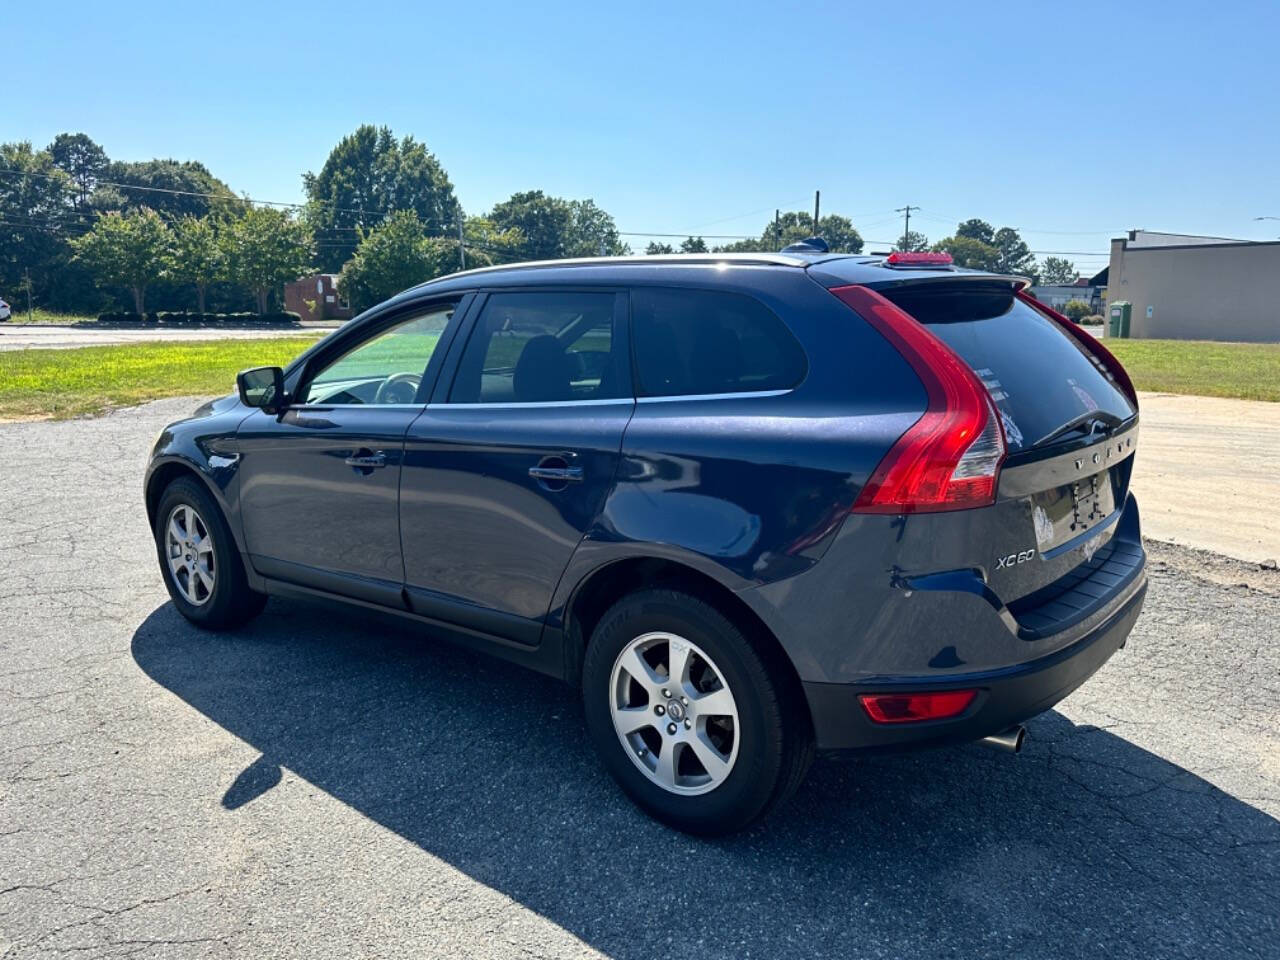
[1085,842]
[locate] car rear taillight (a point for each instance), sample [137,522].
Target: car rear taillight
[950,458]
[916,707]
[1113,367]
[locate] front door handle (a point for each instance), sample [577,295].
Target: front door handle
[365,461]
[561,474]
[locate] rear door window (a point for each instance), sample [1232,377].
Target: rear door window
[690,342]
[1040,378]
[543,346]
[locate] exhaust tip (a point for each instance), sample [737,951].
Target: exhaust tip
[1009,741]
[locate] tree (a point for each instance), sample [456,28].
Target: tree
[978,230]
[82,160]
[1076,310]
[484,237]
[196,257]
[543,221]
[173,189]
[265,249]
[693,245]
[397,255]
[128,250]
[912,242]
[1014,254]
[592,232]
[654,248]
[553,227]
[368,176]
[1057,271]
[795,226]
[968,252]
[34,194]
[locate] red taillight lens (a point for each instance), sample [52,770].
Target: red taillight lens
[915,707]
[950,458]
[1091,345]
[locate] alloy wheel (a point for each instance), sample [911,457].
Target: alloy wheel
[674,713]
[189,551]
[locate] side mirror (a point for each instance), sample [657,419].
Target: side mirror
[261,387]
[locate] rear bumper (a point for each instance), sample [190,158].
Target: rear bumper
[1006,696]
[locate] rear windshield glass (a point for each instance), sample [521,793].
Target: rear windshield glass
[1040,378]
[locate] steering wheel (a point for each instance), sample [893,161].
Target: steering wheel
[398,388]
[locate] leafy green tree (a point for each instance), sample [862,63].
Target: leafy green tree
[1057,271]
[368,176]
[1076,310]
[34,195]
[484,237]
[693,245]
[912,242]
[979,230]
[592,232]
[391,257]
[543,221]
[748,246]
[129,250]
[1015,256]
[265,249]
[82,160]
[795,226]
[968,252]
[654,248]
[173,189]
[196,256]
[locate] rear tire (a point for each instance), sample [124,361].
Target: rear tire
[711,750]
[199,559]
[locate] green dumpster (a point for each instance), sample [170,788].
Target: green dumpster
[1121,310]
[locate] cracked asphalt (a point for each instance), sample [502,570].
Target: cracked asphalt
[327,784]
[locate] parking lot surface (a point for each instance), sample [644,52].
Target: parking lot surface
[327,784]
[67,337]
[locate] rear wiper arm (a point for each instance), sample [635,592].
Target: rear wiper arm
[1087,422]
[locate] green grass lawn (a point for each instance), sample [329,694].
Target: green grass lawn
[69,383]
[1250,371]
[48,316]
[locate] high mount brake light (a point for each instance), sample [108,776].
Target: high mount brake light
[1091,345]
[904,259]
[950,458]
[916,707]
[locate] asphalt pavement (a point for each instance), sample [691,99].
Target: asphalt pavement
[324,783]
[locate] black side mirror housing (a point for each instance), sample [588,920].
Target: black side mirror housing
[262,387]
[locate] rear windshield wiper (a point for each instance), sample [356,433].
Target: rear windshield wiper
[1095,421]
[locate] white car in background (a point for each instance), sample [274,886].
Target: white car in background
[5,312]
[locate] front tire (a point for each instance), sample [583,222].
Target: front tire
[199,559]
[700,726]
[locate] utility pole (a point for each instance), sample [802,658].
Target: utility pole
[462,246]
[906,216]
[817,194]
[26,282]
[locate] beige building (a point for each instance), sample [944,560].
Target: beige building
[1197,288]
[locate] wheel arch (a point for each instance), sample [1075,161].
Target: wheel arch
[162,476]
[608,583]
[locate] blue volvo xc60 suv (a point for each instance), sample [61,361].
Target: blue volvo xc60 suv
[752,506]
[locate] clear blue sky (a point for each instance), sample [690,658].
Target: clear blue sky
[1071,122]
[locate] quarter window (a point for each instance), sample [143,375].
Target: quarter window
[385,369]
[542,346]
[691,342]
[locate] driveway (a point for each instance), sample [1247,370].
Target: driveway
[65,337]
[327,784]
[1208,474]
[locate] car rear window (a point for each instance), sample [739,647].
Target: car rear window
[1040,378]
[696,342]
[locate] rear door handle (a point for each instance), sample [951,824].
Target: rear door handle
[362,460]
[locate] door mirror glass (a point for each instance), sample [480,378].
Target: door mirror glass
[261,387]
